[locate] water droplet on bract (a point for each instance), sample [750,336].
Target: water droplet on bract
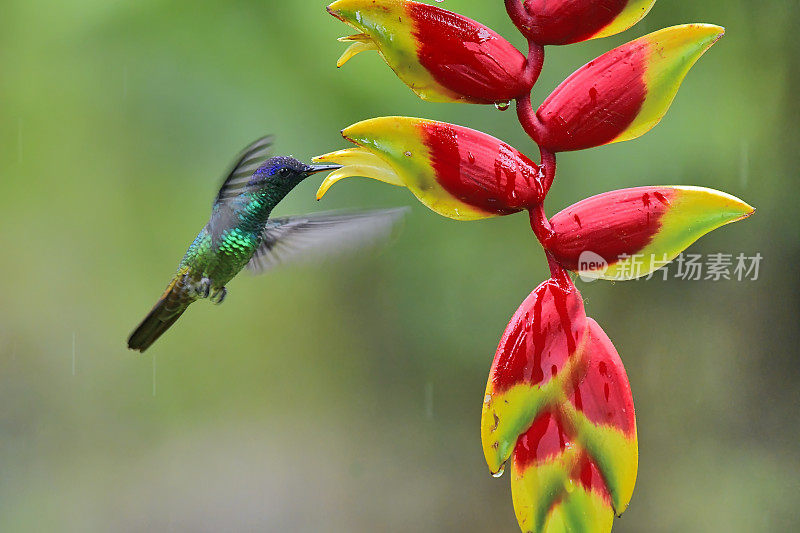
[408,154]
[484,35]
[502,106]
[500,472]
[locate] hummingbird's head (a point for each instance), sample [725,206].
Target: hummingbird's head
[282,174]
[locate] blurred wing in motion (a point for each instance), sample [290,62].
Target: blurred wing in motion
[297,238]
[242,170]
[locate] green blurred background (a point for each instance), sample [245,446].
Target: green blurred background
[346,396]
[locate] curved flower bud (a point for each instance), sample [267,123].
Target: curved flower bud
[559,406]
[630,233]
[622,94]
[572,21]
[440,55]
[457,172]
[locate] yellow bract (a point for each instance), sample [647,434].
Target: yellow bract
[671,52]
[387,28]
[508,415]
[356,162]
[633,13]
[692,213]
[362,43]
[546,500]
[391,150]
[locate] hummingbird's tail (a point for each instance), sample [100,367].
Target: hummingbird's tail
[167,310]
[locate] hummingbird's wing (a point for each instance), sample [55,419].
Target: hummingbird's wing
[302,237]
[242,169]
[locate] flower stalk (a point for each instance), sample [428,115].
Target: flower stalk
[558,407]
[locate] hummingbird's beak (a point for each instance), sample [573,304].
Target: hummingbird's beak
[314,169]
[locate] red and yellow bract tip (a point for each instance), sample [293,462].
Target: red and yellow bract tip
[457,172]
[624,93]
[440,55]
[630,233]
[558,406]
[571,21]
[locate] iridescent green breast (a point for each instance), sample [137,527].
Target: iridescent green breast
[233,252]
[226,244]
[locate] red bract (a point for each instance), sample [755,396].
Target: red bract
[547,327]
[467,57]
[458,172]
[440,55]
[558,404]
[558,407]
[571,21]
[623,93]
[630,233]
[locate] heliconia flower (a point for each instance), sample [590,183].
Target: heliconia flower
[571,21]
[630,233]
[455,171]
[440,55]
[623,93]
[559,409]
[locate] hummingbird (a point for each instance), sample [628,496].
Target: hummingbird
[240,233]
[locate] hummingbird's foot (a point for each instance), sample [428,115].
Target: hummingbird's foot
[219,296]
[201,289]
[205,287]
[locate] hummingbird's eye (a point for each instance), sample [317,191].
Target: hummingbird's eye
[284,172]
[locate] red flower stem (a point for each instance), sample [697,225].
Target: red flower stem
[519,16]
[527,116]
[558,272]
[547,169]
[544,232]
[528,119]
[541,225]
[534,64]
[533,127]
